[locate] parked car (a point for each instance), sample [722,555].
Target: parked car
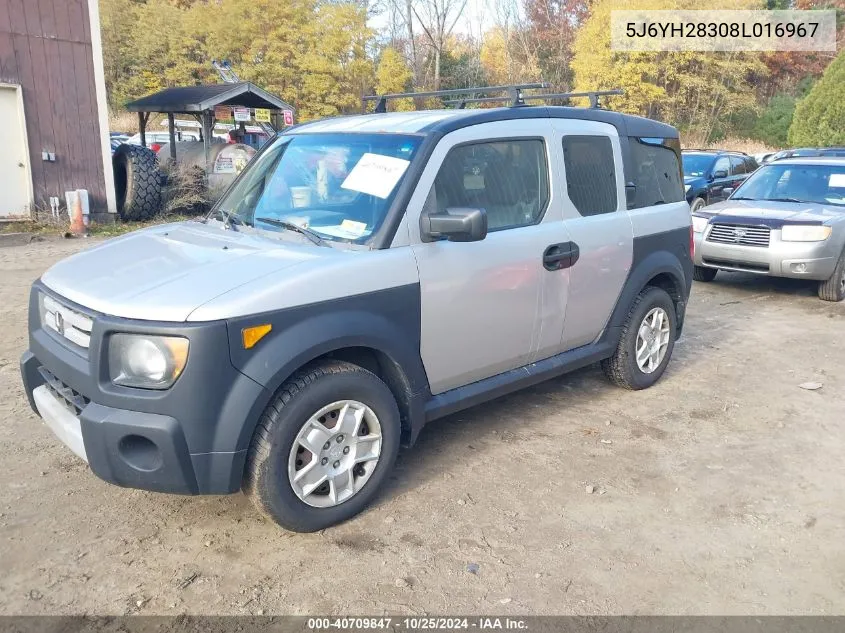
[117,140]
[808,151]
[254,137]
[710,175]
[155,140]
[786,220]
[364,276]
[763,157]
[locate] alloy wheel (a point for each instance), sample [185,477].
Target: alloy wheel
[652,340]
[335,453]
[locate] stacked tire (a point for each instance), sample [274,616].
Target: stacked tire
[137,181]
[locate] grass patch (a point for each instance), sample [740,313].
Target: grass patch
[26,226]
[49,226]
[731,143]
[119,227]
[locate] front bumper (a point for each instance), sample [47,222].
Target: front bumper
[798,260]
[189,439]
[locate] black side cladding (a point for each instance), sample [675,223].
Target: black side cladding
[386,322]
[662,256]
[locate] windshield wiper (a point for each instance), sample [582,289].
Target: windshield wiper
[290,226]
[230,219]
[742,198]
[785,200]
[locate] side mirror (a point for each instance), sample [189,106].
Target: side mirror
[457,224]
[720,174]
[728,191]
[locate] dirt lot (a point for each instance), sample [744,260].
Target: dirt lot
[719,491]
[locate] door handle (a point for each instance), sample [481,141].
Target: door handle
[560,256]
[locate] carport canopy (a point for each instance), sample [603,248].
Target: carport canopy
[199,102]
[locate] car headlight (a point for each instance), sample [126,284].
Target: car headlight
[145,361]
[699,224]
[687,188]
[805,233]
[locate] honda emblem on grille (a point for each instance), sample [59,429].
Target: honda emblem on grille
[60,323]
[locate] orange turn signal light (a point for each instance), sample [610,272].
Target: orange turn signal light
[251,335]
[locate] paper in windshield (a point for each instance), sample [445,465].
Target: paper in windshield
[347,230]
[376,174]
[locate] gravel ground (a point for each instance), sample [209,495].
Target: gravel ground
[718,491]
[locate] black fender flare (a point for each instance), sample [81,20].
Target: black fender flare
[661,262]
[295,342]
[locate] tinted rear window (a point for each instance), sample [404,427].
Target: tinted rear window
[656,173]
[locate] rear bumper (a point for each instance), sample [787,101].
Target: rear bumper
[798,260]
[190,439]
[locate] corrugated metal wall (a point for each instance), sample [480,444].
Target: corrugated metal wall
[45,47]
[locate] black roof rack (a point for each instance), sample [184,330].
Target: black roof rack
[515,96]
[593,95]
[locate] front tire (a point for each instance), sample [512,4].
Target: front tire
[834,288]
[700,273]
[698,204]
[646,343]
[323,447]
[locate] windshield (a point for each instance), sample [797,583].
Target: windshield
[696,165]
[823,184]
[338,186]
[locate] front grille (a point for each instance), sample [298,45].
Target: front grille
[67,323]
[740,234]
[73,400]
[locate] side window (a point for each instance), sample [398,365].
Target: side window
[508,179]
[737,165]
[750,165]
[656,173]
[590,174]
[722,163]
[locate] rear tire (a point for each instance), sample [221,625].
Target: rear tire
[137,182]
[834,288]
[698,204]
[701,273]
[278,440]
[623,368]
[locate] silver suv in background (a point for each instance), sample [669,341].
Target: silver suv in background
[786,220]
[364,276]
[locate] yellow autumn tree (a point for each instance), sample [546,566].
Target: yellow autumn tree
[311,53]
[393,75]
[505,62]
[695,91]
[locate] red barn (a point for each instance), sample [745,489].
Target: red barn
[53,114]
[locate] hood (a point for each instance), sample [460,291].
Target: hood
[773,214]
[689,180]
[165,272]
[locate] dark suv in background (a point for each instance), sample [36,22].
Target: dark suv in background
[711,175]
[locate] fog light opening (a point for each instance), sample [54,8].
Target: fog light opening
[799,268]
[140,453]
